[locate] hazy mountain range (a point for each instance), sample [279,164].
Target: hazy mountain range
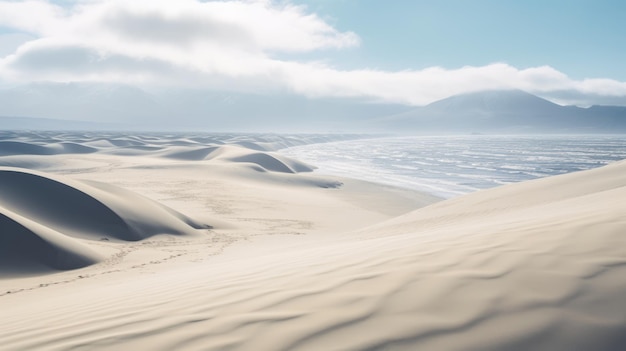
[74,106]
[510,111]
[187,109]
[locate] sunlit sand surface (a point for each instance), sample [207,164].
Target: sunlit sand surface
[160,242]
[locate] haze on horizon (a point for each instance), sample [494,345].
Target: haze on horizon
[165,61]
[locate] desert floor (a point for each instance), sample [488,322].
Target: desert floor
[168,243]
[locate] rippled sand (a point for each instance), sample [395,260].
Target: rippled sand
[222,244]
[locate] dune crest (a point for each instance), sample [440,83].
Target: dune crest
[266,160]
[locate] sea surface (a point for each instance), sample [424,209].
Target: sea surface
[449,166]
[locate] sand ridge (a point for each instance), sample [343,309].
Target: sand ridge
[44,215]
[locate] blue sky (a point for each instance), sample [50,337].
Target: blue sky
[405,52]
[582,38]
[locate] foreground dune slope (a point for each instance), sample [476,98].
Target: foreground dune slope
[88,209]
[539,265]
[42,217]
[27,246]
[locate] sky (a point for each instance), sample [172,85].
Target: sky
[408,52]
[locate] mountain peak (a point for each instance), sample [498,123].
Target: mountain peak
[493,101]
[507,111]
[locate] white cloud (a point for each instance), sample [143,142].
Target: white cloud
[236,45]
[11,41]
[31,16]
[428,85]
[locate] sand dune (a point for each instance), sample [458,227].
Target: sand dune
[88,210]
[41,216]
[267,160]
[195,154]
[72,148]
[230,148]
[539,265]
[27,246]
[20,148]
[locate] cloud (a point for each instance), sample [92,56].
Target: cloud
[239,45]
[419,87]
[31,16]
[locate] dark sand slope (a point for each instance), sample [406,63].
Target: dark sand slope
[26,246]
[42,215]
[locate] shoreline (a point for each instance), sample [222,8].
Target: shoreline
[456,165]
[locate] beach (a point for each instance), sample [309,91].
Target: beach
[165,242]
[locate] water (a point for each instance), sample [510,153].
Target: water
[453,165]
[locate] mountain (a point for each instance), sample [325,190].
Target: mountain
[184,109]
[85,106]
[110,103]
[506,111]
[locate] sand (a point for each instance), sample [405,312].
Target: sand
[163,242]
